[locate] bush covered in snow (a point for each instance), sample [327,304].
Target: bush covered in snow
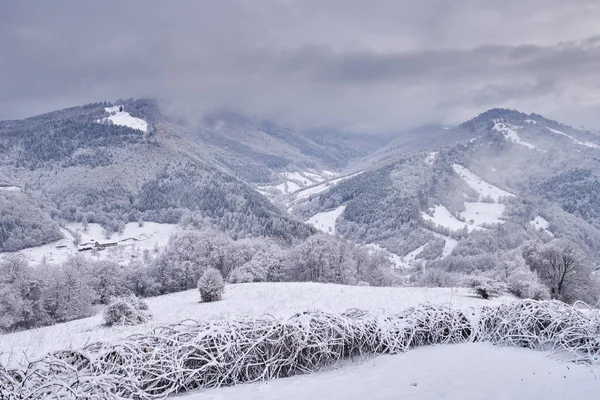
[126,311]
[211,285]
[526,284]
[487,288]
[435,277]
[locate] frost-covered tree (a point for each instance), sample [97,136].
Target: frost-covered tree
[561,266]
[211,285]
[323,258]
[128,310]
[108,280]
[68,292]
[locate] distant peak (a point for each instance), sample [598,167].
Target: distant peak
[487,119]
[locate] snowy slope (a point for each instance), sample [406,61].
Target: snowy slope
[325,221]
[443,217]
[252,299]
[510,133]
[579,142]
[483,213]
[482,187]
[123,118]
[469,371]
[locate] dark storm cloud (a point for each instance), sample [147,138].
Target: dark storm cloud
[375,65]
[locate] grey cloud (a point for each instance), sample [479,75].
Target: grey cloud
[377,65]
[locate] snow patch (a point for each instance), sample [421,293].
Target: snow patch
[431,157]
[467,371]
[479,185]
[443,217]
[510,133]
[325,221]
[531,121]
[483,213]
[123,118]
[9,188]
[541,224]
[288,187]
[579,142]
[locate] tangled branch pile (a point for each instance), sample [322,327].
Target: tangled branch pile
[209,354]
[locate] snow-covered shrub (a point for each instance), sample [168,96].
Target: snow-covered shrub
[525,284]
[487,288]
[126,311]
[211,285]
[435,277]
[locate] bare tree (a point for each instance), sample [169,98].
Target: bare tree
[562,268]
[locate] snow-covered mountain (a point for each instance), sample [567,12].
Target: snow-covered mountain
[476,190]
[471,194]
[119,163]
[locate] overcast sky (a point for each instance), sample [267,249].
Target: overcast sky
[372,65]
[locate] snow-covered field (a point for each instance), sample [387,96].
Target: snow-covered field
[483,213]
[482,187]
[325,221]
[129,244]
[123,118]
[298,187]
[443,217]
[470,371]
[252,299]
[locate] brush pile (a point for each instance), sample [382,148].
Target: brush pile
[209,354]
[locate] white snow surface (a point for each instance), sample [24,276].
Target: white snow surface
[531,121]
[130,243]
[442,216]
[468,371]
[479,185]
[542,224]
[288,187]
[10,188]
[510,133]
[579,142]
[483,213]
[431,157]
[325,221]
[476,215]
[123,118]
[250,299]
